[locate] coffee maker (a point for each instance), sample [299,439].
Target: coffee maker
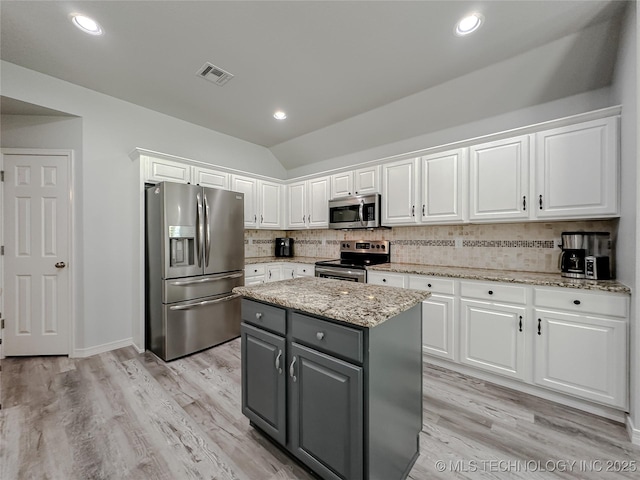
[586,255]
[284,247]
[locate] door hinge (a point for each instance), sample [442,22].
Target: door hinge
[2,323]
[2,250]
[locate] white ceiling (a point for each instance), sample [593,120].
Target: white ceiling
[322,62]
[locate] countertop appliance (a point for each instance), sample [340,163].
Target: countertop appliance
[577,247]
[355,256]
[284,247]
[194,258]
[361,211]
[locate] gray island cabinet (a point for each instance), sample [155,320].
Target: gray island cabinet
[332,372]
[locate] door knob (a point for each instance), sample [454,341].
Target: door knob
[60,265]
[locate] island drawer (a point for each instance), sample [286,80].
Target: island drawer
[432,284]
[494,292]
[328,337]
[264,316]
[578,301]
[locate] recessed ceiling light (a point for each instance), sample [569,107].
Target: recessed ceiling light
[86,24]
[279,115]
[469,24]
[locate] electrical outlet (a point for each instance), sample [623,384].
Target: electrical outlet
[458,243]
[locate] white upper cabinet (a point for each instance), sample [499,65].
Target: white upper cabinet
[308,203]
[357,182]
[577,169]
[270,205]
[399,188]
[442,187]
[499,180]
[161,170]
[206,177]
[342,185]
[248,186]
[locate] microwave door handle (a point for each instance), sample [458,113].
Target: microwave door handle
[199,230]
[361,213]
[207,235]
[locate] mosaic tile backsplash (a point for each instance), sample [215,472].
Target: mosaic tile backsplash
[530,247]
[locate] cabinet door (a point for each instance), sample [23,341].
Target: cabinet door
[577,170]
[318,203]
[581,355]
[274,273]
[499,180]
[297,205]
[438,329]
[399,186]
[442,187]
[305,270]
[288,272]
[367,180]
[326,413]
[342,185]
[206,177]
[160,170]
[492,337]
[264,381]
[248,186]
[270,205]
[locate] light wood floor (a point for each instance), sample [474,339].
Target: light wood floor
[121,415]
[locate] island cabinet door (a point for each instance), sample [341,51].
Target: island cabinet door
[264,381]
[326,413]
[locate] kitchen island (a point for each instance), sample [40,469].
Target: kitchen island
[332,372]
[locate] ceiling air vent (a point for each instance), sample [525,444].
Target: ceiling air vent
[214,74]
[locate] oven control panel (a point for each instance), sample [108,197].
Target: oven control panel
[365,246]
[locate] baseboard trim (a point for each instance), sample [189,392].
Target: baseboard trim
[138,349]
[634,433]
[105,347]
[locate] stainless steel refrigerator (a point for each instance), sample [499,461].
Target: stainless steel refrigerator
[194,257]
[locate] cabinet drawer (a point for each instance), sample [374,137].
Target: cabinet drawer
[494,292]
[432,284]
[265,316]
[582,302]
[305,270]
[329,337]
[254,270]
[390,279]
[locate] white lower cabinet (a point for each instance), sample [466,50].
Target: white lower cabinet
[254,274]
[580,351]
[272,272]
[563,340]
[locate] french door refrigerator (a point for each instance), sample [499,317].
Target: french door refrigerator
[194,258]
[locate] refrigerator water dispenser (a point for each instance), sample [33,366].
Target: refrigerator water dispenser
[182,246]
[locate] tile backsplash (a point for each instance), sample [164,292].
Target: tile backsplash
[530,247]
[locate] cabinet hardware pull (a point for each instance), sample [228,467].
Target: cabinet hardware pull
[413,210]
[269,273]
[490,292]
[384,280]
[278,361]
[520,324]
[293,362]
[255,219]
[292,274]
[576,302]
[309,217]
[524,203]
[540,202]
[258,315]
[423,210]
[429,285]
[320,335]
[261,218]
[539,327]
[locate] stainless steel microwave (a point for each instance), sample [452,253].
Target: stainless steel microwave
[361,211]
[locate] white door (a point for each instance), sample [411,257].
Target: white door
[367,180]
[499,180]
[270,203]
[442,187]
[318,206]
[296,197]
[399,185]
[342,185]
[36,272]
[438,331]
[249,187]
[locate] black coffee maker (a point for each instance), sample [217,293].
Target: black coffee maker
[284,247]
[574,251]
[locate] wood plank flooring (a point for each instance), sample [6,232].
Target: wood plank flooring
[121,415]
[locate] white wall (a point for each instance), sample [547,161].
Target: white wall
[625,91]
[108,193]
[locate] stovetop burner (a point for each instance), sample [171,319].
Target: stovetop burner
[360,254]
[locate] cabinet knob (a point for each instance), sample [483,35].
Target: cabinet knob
[320,335]
[576,302]
[429,285]
[490,292]
[384,280]
[258,315]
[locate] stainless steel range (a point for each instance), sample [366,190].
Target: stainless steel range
[355,256]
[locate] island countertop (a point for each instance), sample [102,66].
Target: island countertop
[356,303]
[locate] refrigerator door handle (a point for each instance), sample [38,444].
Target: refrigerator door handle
[199,232]
[207,236]
[204,303]
[182,283]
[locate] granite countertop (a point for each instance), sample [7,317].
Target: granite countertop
[309,260]
[527,278]
[350,302]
